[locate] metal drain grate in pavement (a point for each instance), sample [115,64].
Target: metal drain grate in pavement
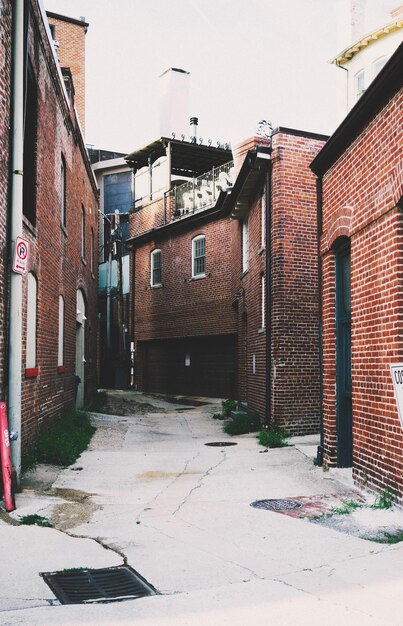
[277,505]
[221,444]
[108,584]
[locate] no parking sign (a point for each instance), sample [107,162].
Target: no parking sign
[21,252]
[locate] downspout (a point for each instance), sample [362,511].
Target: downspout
[319,199]
[15,226]
[268,208]
[348,86]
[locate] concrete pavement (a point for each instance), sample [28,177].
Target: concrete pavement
[148,491]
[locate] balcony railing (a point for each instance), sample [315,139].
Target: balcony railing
[202,192]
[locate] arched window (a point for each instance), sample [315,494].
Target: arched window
[199,256]
[32,292]
[60,348]
[63,191]
[156,268]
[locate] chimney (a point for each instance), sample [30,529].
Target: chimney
[174,102]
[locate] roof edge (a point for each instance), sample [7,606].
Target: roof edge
[384,86]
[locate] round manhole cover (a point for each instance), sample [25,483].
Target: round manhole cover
[221,444]
[277,505]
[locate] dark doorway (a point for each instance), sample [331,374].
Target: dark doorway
[343,357]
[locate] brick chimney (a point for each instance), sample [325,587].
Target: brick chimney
[69,35]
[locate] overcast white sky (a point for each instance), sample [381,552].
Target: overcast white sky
[248,60]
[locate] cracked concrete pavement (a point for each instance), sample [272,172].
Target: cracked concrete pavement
[150,493]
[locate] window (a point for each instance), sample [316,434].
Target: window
[30,140]
[245,245]
[262,300]
[32,289]
[198,256]
[262,219]
[60,348]
[92,251]
[378,65]
[63,191]
[359,84]
[156,264]
[82,232]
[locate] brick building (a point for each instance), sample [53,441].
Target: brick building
[68,35]
[59,220]
[274,201]
[360,208]
[184,325]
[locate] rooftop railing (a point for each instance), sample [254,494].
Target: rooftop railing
[202,192]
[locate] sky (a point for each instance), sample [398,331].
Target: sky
[248,60]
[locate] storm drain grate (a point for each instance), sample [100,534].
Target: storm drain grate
[221,444]
[108,584]
[277,505]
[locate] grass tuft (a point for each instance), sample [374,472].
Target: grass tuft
[35,520]
[385,500]
[228,406]
[242,423]
[63,442]
[348,507]
[390,538]
[274,438]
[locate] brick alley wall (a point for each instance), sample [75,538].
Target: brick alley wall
[362,200]
[56,257]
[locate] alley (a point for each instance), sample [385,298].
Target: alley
[149,492]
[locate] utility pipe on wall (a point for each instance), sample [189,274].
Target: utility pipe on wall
[15,226]
[268,293]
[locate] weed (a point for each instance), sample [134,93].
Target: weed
[243,423]
[325,466]
[390,538]
[274,438]
[218,416]
[35,520]
[63,442]
[228,406]
[385,500]
[348,507]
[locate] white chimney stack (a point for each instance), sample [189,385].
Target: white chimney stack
[174,103]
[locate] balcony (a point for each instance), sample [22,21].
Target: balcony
[202,192]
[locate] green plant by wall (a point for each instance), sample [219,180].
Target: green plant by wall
[385,500]
[63,442]
[242,423]
[348,507]
[228,406]
[273,438]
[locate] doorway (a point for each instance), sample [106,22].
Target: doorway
[80,349]
[344,420]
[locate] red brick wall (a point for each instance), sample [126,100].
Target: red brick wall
[5,75]
[184,306]
[71,53]
[360,194]
[295,352]
[55,251]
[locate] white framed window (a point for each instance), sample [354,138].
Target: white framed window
[60,345]
[378,65]
[82,232]
[245,245]
[359,84]
[32,292]
[263,219]
[199,256]
[156,268]
[262,301]
[63,191]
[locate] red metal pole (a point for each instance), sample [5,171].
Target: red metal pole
[6,466]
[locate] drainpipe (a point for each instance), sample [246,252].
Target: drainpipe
[319,455]
[15,226]
[268,293]
[348,86]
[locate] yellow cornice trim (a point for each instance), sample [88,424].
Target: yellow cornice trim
[349,52]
